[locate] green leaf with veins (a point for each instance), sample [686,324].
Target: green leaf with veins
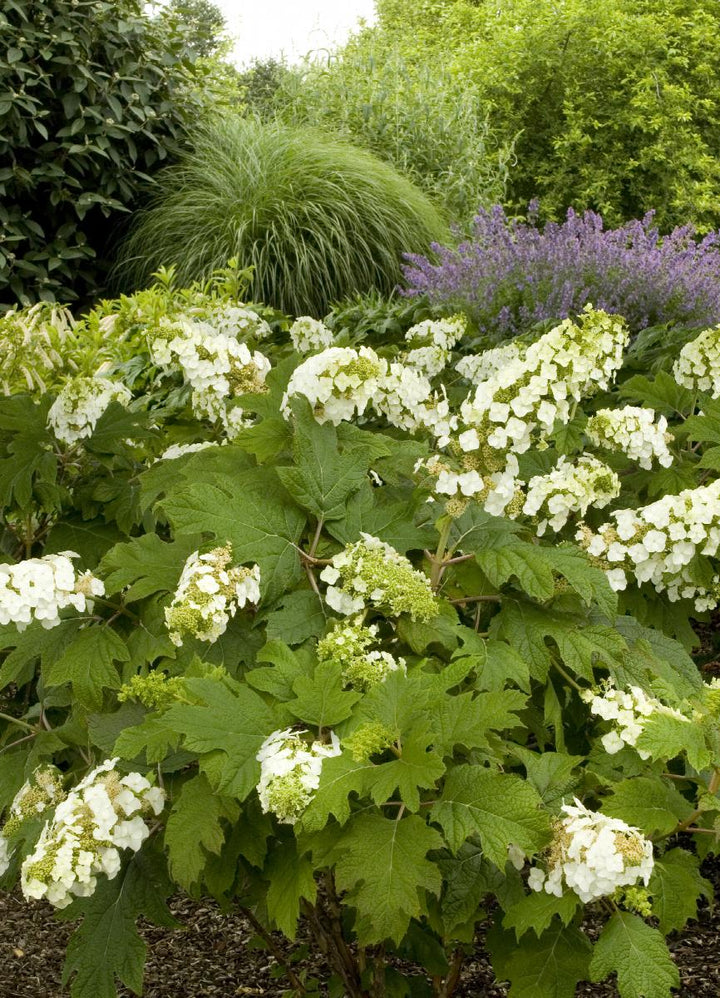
[638,955]
[676,885]
[548,967]
[194,828]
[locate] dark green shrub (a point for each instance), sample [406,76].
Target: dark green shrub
[318,219]
[94,96]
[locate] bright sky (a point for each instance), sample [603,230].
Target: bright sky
[271,28]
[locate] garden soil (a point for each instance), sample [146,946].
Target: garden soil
[211,957]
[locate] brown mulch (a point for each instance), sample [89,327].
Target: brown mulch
[210,957]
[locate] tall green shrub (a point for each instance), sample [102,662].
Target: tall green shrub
[418,119]
[94,96]
[316,218]
[614,102]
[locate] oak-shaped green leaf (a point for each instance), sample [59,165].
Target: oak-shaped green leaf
[291,879]
[194,828]
[638,954]
[88,664]
[146,565]
[548,967]
[536,911]
[419,767]
[321,699]
[648,803]
[665,736]
[676,886]
[500,808]
[382,865]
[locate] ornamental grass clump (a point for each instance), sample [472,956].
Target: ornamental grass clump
[317,219]
[512,274]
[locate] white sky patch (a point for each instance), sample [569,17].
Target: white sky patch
[266,29]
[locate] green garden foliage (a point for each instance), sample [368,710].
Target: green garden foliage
[94,97]
[416,118]
[264,638]
[612,104]
[318,219]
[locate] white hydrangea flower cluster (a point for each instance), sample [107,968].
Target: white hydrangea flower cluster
[338,383]
[499,492]
[180,450]
[528,396]
[698,364]
[310,335]
[80,404]
[39,588]
[658,543]
[406,399]
[209,593]
[633,431]
[218,367]
[372,573]
[237,321]
[290,772]
[571,487]
[480,367]
[350,645]
[38,344]
[593,855]
[104,814]
[628,711]
[43,790]
[431,343]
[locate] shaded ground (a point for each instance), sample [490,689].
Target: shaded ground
[210,957]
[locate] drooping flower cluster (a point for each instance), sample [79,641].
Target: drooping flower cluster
[310,335]
[290,772]
[104,814]
[479,367]
[80,404]
[571,487]
[210,591]
[431,343]
[43,790]
[39,588]
[372,573]
[338,383]
[627,710]
[593,855]
[698,365]
[634,432]
[659,543]
[237,321]
[527,396]
[217,366]
[38,344]
[350,645]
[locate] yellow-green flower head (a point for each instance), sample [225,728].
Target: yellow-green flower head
[209,593]
[369,739]
[156,691]
[372,573]
[290,770]
[44,789]
[350,645]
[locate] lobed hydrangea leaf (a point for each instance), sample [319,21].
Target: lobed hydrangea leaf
[590,583]
[278,678]
[250,511]
[107,946]
[295,617]
[194,828]
[153,738]
[548,967]
[502,664]
[322,479]
[662,393]
[500,808]
[341,776]
[524,562]
[382,865]
[291,880]
[28,450]
[88,663]
[654,656]
[117,425]
[638,954]
[467,877]
[226,730]
[418,767]
[665,737]
[676,885]
[551,774]
[649,803]
[30,645]
[321,699]
[477,531]
[146,565]
[536,911]
[392,513]
[90,539]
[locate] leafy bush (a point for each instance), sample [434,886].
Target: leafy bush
[611,102]
[359,695]
[94,96]
[513,274]
[418,120]
[317,219]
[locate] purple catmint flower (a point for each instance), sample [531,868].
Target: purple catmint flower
[512,274]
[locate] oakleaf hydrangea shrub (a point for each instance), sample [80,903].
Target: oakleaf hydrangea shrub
[512,273]
[403,641]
